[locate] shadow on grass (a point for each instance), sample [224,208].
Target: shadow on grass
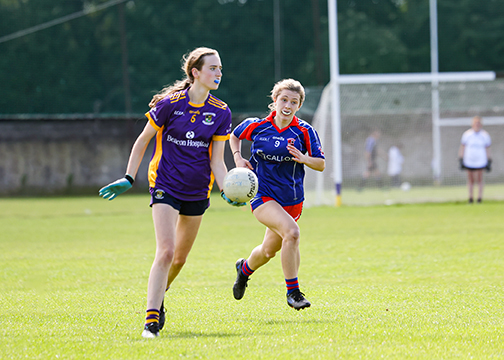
[191,334]
[298,321]
[195,335]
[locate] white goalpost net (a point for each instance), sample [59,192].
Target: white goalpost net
[403,114]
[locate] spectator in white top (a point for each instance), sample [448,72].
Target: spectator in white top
[474,156]
[395,161]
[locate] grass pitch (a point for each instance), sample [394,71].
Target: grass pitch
[416,195]
[396,282]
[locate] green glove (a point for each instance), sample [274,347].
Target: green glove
[117,187]
[231,202]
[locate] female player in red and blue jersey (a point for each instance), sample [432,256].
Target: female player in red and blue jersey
[282,145]
[190,127]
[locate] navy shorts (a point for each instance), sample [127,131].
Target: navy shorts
[188,208]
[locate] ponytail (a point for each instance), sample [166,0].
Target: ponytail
[195,59]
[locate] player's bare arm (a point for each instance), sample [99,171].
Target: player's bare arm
[314,163]
[235,145]
[138,150]
[217,163]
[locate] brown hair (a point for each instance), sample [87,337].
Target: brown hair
[194,59]
[287,84]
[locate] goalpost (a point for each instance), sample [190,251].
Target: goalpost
[403,113]
[382,83]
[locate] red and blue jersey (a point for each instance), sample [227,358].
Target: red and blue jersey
[180,163]
[280,177]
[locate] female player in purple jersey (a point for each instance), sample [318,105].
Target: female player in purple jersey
[281,145]
[190,127]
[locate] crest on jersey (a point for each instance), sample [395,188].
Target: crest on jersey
[159,194]
[208,118]
[291,141]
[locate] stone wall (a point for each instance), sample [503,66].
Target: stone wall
[75,155]
[78,155]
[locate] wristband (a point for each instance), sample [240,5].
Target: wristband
[237,151]
[129,178]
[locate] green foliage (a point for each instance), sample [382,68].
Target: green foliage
[397,282]
[385,51]
[75,67]
[472,34]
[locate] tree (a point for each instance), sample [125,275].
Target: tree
[75,67]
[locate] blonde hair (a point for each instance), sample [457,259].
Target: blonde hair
[194,59]
[287,84]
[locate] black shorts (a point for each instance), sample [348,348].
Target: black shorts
[188,208]
[474,169]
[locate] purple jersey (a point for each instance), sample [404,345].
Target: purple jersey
[180,163]
[280,177]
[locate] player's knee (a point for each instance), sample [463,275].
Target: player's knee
[269,252]
[165,256]
[270,255]
[179,261]
[292,235]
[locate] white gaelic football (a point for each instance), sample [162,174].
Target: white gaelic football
[240,184]
[405,186]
